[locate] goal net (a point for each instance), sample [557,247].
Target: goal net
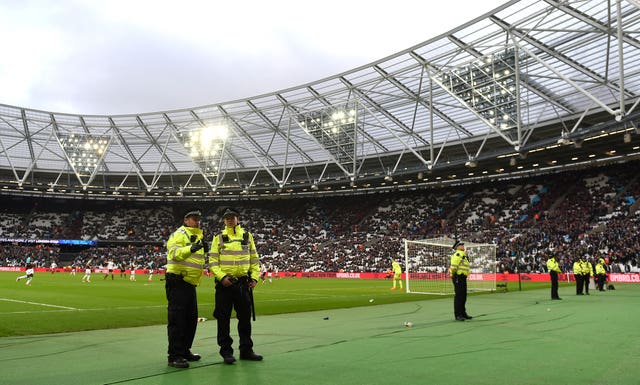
[427,266]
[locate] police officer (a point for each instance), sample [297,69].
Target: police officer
[601,274]
[554,270]
[577,274]
[235,265]
[587,273]
[185,262]
[459,272]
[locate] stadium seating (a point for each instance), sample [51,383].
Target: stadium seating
[592,212]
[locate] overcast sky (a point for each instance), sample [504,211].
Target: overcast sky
[127,56]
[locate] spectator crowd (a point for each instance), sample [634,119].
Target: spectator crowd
[592,213]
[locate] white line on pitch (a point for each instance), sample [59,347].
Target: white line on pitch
[37,303]
[75,309]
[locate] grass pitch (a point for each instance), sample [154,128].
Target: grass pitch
[517,338]
[56,303]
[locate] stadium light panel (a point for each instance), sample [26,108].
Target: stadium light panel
[205,146]
[334,128]
[84,153]
[488,86]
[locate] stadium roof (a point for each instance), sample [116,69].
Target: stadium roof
[528,87]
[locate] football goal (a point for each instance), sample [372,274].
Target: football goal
[427,266]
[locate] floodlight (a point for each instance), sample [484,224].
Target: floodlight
[84,153]
[205,146]
[488,86]
[334,128]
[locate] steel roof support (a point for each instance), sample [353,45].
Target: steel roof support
[223,151]
[132,159]
[595,23]
[516,33]
[329,154]
[404,144]
[154,141]
[173,134]
[275,129]
[35,159]
[254,144]
[433,78]
[621,57]
[563,77]
[324,101]
[27,135]
[421,101]
[530,84]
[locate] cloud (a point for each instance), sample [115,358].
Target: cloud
[117,57]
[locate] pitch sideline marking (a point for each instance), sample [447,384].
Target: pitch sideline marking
[75,309]
[37,303]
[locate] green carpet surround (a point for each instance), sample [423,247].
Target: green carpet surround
[514,338]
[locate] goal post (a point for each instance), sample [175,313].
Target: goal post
[427,266]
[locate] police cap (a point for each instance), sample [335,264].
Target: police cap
[456,244]
[193,213]
[229,214]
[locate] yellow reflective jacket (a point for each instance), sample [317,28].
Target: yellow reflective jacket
[577,268]
[600,270]
[587,268]
[234,254]
[459,263]
[180,259]
[552,265]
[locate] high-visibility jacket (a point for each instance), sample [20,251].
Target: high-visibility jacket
[233,253]
[587,268]
[600,270]
[180,259]
[459,263]
[552,265]
[577,268]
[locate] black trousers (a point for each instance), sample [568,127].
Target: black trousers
[182,315]
[579,283]
[602,279]
[236,297]
[460,297]
[554,284]
[586,279]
